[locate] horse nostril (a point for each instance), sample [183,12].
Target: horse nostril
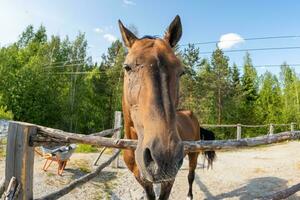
[148,157]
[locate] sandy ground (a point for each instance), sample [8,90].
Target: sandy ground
[243,174]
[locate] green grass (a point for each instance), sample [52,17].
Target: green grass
[2,153]
[85,148]
[82,165]
[2,148]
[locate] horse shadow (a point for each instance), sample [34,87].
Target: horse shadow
[255,188]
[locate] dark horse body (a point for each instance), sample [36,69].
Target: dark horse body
[150,98]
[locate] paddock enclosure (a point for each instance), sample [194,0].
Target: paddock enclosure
[23,137]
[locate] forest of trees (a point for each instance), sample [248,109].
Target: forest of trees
[52,81]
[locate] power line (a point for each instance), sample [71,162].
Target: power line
[245,39]
[65,62]
[205,52]
[255,49]
[273,65]
[104,72]
[62,66]
[78,73]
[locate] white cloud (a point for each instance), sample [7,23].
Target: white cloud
[108,28]
[105,32]
[229,40]
[129,2]
[109,37]
[98,30]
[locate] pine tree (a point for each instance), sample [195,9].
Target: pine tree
[269,102]
[289,82]
[221,82]
[249,83]
[188,84]
[236,82]
[112,63]
[235,96]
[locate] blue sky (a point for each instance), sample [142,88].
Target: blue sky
[205,20]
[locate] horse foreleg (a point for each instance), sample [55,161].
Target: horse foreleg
[165,190]
[192,166]
[132,166]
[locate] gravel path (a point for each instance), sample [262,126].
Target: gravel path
[243,174]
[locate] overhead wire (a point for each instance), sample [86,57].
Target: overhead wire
[244,39]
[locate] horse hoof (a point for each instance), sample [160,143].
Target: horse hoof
[189,198]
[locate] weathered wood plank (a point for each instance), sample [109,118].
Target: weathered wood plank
[10,152]
[107,132]
[293,126]
[9,193]
[60,137]
[254,126]
[195,146]
[99,156]
[2,186]
[190,146]
[283,194]
[238,131]
[271,129]
[218,125]
[20,158]
[117,135]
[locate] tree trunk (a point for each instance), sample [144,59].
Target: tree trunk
[219,106]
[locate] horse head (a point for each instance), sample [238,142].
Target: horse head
[150,97]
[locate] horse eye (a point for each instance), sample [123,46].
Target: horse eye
[126,67]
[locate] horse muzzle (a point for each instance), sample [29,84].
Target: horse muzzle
[158,165]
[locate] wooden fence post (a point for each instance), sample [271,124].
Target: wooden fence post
[238,131]
[117,124]
[20,158]
[293,126]
[271,130]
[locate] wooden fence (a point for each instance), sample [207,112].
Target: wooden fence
[239,127]
[23,137]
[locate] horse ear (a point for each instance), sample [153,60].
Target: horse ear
[174,32]
[128,37]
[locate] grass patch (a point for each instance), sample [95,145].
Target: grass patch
[82,165]
[2,153]
[3,142]
[49,174]
[86,148]
[298,165]
[108,187]
[259,170]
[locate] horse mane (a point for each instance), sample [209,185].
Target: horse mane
[149,37]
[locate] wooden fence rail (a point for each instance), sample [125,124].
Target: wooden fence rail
[239,127]
[23,137]
[47,135]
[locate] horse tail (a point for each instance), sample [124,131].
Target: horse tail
[210,156]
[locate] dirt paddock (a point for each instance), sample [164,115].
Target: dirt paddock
[239,174]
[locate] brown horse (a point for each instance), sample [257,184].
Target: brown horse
[150,98]
[189,130]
